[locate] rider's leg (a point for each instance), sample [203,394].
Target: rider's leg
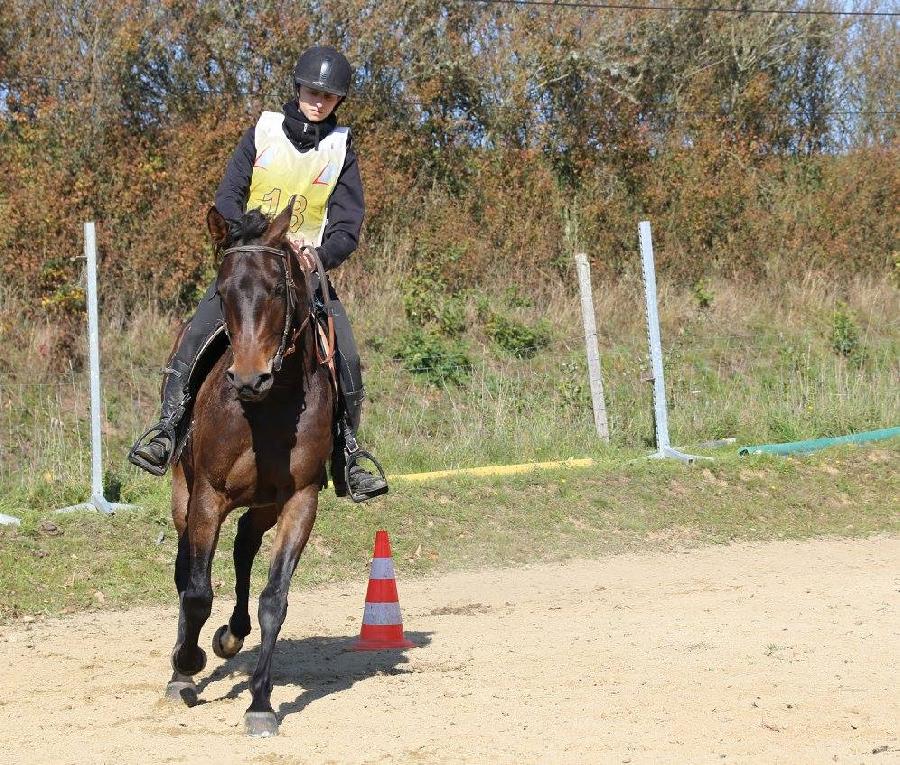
[362,484]
[154,455]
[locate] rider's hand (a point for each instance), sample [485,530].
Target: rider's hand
[301,247]
[308,258]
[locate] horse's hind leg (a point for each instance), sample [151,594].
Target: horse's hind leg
[294,526]
[229,638]
[193,568]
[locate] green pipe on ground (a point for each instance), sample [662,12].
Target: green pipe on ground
[821,443]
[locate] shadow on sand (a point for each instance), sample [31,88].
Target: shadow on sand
[320,665]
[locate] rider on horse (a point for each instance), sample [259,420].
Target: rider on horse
[300,151]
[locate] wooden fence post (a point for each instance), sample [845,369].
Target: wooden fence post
[590,342]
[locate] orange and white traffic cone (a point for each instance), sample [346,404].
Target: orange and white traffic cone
[382,627]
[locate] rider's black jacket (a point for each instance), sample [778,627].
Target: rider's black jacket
[345,206]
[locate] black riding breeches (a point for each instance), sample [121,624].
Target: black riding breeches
[349,368]
[208,318]
[203,324]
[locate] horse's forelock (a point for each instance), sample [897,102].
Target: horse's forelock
[252,226]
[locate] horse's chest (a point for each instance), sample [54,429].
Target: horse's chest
[274,464]
[260,454]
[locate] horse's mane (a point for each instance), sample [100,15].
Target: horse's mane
[252,226]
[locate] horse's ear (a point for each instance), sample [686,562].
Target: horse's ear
[279,227]
[217,225]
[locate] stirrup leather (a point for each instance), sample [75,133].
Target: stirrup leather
[351,459]
[165,428]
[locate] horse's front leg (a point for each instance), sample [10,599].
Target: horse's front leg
[193,573]
[294,526]
[229,638]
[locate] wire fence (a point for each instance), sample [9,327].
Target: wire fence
[502,407]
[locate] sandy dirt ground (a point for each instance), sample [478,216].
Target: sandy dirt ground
[774,653]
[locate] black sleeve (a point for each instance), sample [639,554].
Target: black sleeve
[346,208]
[234,190]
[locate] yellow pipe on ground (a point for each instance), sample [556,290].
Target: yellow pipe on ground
[494,470]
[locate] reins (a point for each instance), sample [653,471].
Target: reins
[286,347]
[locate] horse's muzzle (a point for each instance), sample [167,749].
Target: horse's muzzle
[253,387]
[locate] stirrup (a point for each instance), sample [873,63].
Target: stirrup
[135,459]
[351,459]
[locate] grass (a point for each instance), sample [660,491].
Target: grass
[759,364]
[776,361]
[56,564]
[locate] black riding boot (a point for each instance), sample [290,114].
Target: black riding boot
[155,454]
[361,484]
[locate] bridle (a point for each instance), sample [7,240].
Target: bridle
[288,343]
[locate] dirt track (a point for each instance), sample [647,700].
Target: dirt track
[780,652]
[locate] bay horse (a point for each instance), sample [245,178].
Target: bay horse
[260,439]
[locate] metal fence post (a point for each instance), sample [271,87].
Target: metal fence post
[590,341]
[97,501]
[660,413]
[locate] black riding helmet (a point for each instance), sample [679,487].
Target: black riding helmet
[323,68]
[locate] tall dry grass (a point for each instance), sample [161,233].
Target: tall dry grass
[757,364]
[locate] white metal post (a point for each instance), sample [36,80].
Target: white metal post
[590,341]
[97,500]
[660,413]
[90,251]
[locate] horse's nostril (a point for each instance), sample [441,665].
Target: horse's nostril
[262,380]
[230,375]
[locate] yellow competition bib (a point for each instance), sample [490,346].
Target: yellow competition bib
[280,171]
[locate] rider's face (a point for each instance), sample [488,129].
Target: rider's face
[315,104]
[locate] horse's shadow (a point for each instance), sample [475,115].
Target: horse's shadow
[321,665]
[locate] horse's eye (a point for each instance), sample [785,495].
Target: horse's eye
[278,291]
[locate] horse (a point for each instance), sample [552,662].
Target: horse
[260,437]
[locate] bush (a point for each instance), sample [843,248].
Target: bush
[515,298]
[572,385]
[703,293]
[428,306]
[517,338]
[433,358]
[845,334]
[452,317]
[422,299]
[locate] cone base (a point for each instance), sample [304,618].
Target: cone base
[380,645]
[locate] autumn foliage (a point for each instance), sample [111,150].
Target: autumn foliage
[494,140]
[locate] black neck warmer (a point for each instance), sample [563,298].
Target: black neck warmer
[305,135]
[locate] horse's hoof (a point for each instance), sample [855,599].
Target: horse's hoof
[181,688]
[190,664]
[224,644]
[261,724]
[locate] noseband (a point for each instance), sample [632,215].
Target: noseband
[285,348]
